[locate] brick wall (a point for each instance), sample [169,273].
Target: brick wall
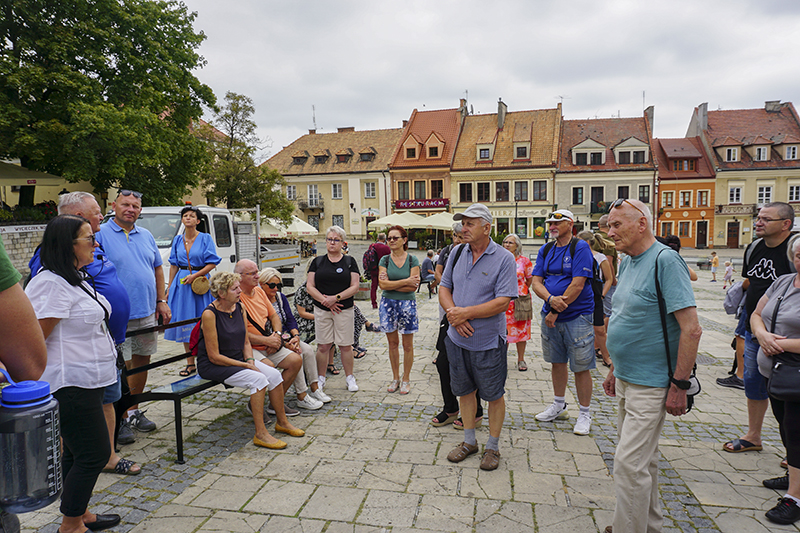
[20,243]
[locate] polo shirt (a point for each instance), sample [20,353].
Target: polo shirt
[493,275]
[258,308]
[135,255]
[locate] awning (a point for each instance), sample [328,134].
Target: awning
[16,175]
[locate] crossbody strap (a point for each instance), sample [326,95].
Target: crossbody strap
[662,310]
[778,305]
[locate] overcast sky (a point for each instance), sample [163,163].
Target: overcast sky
[368,64]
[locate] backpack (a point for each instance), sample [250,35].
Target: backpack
[734,298]
[596,281]
[370,260]
[194,338]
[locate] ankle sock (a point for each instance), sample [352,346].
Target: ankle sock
[493,444]
[560,401]
[585,410]
[469,436]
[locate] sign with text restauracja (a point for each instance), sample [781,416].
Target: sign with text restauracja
[422,204]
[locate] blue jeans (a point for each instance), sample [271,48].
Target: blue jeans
[755,385]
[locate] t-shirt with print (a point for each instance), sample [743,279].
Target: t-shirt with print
[558,268]
[396,273]
[333,278]
[764,266]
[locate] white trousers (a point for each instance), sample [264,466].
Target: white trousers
[309,373]
[266,377]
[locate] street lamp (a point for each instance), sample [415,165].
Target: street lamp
[516,211]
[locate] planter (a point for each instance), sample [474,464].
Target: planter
[363,290]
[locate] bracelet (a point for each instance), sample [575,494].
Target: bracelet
[548,299]
[250,359]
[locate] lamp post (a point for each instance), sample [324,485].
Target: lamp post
[516,211]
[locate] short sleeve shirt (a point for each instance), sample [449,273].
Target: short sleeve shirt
[558,268]
[333,278]
[762,269]
[8,274]
[258,308]
[787,322]
[396,273]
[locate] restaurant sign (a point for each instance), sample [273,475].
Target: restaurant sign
[422,204]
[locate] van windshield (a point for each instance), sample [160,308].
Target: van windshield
[163,226]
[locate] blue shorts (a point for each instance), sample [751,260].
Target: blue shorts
[398,315]
[570,342]
[607,300]
[755,384]
[741,327]
[112,393]
[478,370]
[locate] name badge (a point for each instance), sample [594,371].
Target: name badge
[339,270]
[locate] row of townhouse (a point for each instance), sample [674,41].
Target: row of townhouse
[706,187]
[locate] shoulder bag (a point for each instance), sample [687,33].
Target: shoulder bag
[200,285]
[784,383]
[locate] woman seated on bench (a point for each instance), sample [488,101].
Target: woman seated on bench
[224,354]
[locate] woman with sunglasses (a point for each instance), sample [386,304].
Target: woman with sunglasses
[193,255]
[398,277]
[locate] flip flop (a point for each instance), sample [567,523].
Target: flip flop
[124,467]
[741,445]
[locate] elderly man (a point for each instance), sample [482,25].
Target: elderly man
[560,279]
[105,279]
[478,283]
[639,376]
[133,250]
[270,347]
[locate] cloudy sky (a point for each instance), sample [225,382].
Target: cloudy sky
[368,64]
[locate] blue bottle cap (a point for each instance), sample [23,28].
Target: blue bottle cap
[24,393]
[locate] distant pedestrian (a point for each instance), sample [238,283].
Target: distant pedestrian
[728,274]
[714,266]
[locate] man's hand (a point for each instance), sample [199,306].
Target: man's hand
[558,303]
[550,320]
[273,343]
[458,315]
[465,329]
[163,311]
[610,384]
[676,401]
[294,344]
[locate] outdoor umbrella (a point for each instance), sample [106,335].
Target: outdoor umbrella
[443,221]
[270,230]
[298,228]
[406,220]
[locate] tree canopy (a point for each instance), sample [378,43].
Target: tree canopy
[103,91]
[232,175]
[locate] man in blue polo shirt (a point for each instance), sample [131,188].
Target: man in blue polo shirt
[567,332]
[476,289]
[133,251]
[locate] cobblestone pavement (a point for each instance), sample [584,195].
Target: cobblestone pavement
[370,460]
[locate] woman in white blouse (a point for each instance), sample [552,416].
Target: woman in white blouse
[81,362]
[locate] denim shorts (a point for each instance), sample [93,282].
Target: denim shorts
[607,300]
[398,315]
[755,385]
[112,393]
[570,342]
[741,327]
[478,370]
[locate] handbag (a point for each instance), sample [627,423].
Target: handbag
[523,308]
[200,285]
[784,383]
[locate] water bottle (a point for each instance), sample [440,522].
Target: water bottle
[30,450]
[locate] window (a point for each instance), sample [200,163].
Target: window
[433,151]
[320,159]
[667,199]
[623,191]
[342,158]
[465,193]
[369,190]
[483,192]
[666,229]
[638,157]
[223,231]
[580,159]
[522,152]
[539,191]
[291,192]
[764,194]
[367,156]
[483,153]
[791,152]
[336,191]
[644,194]
[521,191]
[411,153]
[501,191]
[761,154]
[684,228]
[402,190]
[577,196]
[731,154]
[702,198]
[624,158]
[337,220]
[313,196]
[683,164]
[419,190]
[597,158]
[299,160]
[794,193]
[735,195]
[437,189]
[686,199]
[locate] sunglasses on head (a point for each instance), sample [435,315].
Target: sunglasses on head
[558,216]
[619,201]
[273,285]
[128,192]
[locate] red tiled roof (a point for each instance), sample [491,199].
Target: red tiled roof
[680,148]
[665,150]
[727,141]
[760,140]
[607,131]
[446,124]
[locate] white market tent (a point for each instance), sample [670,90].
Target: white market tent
[297,228]
[439,221]
[406,219]
[269,230]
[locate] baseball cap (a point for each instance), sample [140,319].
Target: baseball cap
[475,211]
[559,215]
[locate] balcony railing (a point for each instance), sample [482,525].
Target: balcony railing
[599,206]
[736,209]
[313,202]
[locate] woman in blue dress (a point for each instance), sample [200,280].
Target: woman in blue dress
[182,301]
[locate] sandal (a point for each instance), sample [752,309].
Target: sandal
[393,385]
[333,370]
[124,467]
[442,419]
[459,423]
[405,387]
[359,352]
[521,366]
[373,328]
[186,372]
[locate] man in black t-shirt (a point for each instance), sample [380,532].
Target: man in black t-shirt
[765,260]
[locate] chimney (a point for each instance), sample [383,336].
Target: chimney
[502,108]
[772,106]
[649,113]
[702,111]
[462,103]
[312,132]
[349,128]
[405,123]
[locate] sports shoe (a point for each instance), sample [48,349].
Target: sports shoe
[319,395]
[583,425]
[786,512]
[734,382]
[249,410]
[125,435]
[553,412]
[140,422]
[286,409]
[309,402]
[777,483]
[351,383]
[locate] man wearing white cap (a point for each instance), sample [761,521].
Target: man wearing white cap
[478,283]
[560,279]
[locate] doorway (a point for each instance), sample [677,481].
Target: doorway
[702,234]
[733,234]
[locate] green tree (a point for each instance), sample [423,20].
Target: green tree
[232,176]
[103,91]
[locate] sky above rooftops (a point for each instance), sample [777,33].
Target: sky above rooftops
[368,64]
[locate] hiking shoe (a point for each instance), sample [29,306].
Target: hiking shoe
[777,483]
[309,402]
[125,435]
[734,382]
[140,422]
[351,383]
[553,412]
[786,512]
[583,425]
[319,395]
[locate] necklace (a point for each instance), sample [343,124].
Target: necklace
[229,313]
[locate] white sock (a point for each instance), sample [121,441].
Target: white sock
[584,410]
[321,381]
[559,401]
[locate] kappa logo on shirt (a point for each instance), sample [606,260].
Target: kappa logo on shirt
[764,269]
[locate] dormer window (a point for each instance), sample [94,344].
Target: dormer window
[761,153]
[367,157]
[411,153]
[522,152]
[638,157]
[434,146]
[682,165]
[581,159]
[342,158]
[320,159]
[596,158]
[411,145]
[731,154]
[589,152]
[624,158]
[483,153]
[433,151]
[299,160]
[631,151]
[791,152]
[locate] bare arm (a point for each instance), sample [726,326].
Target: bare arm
[162,309]
[408,284]
[209,325]
[687,354]
[22,352]
[608,276]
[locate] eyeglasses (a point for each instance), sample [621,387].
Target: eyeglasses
[619,201]
[273,285]
[333,241]
[393,238]
[558,216]
[90,238]
[128,192]
[766,220]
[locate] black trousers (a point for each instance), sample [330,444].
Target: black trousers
[86,447]
[788,416]
[450,400]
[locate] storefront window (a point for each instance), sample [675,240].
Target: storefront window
[522,227]
[539,227]
[502,226]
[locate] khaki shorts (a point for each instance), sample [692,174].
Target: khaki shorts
[337,328]
[146,344]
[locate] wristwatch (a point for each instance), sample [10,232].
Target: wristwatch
[161,301]
[338,297]
[683,384]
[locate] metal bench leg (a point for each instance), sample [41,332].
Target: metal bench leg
[178,431]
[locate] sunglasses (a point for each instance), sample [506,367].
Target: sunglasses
[128,192]
[273,285]
[619,201]
[393,238]
[558,216]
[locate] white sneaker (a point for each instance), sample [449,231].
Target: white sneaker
[583,424]
[309,402]
[553,412]
[351,383]
[319,395]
